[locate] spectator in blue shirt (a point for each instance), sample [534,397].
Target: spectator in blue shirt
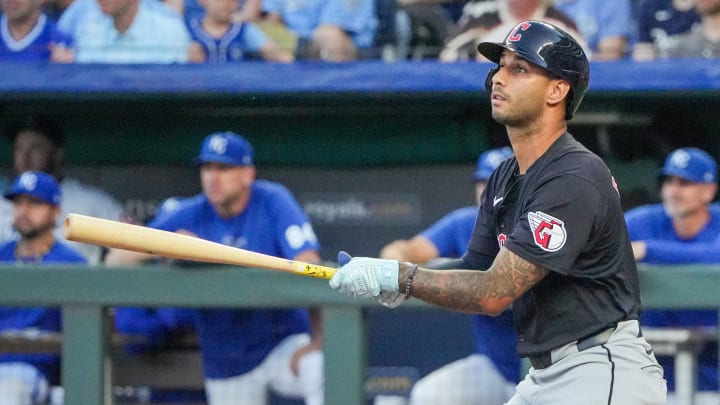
[125,31]
[217,38]
[330,30]
[24,378]
[27,34]
[605,25]
[685,228]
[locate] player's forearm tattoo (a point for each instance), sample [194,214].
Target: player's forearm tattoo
[479,291]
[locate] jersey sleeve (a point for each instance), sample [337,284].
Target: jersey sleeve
[451,233]
[294,232]
[253,37]
[637,223]
[616,19]
[171,220]
[672,252]
[356,17]
[555,225]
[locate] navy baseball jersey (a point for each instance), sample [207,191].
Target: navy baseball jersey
[234,341]
[36,318]
[563,214]
[494,336]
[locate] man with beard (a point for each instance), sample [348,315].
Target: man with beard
[24,378]
[247,352]
[683,229]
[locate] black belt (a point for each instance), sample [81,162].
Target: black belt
[544,360]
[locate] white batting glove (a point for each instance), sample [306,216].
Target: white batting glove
[364,276]
[390,299]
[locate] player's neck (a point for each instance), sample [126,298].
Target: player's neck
[215,28]
[234,207]
[125,17]
[35,247]
[529,143]
[19,29]
[688,226]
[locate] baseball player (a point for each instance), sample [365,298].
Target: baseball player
[35,197]
[683,229]
[551,235]
[247,352]
[489,375]
[39,144]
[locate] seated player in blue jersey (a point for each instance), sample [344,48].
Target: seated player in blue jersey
[685,228]
[217,38]
[25,378]
[247,352]
[489,375]
[329,30]
[27,34]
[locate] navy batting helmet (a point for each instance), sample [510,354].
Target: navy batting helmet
[550,48]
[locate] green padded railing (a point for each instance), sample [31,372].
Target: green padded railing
[84,293]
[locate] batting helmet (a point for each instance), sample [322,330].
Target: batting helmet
[552,49]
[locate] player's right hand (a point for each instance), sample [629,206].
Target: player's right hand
[365,276]
[386,298]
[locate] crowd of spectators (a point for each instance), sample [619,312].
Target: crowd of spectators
[219,31]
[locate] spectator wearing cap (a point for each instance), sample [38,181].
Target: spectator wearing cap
[38,143]
[246,353]
[489,375]
[684,228]
[35,197]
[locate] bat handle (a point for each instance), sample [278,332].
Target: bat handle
[316,270]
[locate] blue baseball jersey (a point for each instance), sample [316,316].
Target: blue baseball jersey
[36,318]
[234,46]
[658,21]
[234,341]
[494,336]
[155,325]
[357,17]
[36,44]
[652,225]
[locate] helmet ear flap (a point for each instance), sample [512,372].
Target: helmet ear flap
[489,78]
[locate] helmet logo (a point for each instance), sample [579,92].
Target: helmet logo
[514,35]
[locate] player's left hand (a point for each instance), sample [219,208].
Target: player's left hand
[364,276]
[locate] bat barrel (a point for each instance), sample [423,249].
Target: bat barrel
[119,235]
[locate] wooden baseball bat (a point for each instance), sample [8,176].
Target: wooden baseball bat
[114,234]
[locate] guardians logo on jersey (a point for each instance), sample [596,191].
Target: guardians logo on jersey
[548,232]
[502,238]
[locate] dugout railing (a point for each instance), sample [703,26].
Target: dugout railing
[85,294]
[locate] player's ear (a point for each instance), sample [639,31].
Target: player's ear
[558,91]
[709,192]
[56,212]
[252,173]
